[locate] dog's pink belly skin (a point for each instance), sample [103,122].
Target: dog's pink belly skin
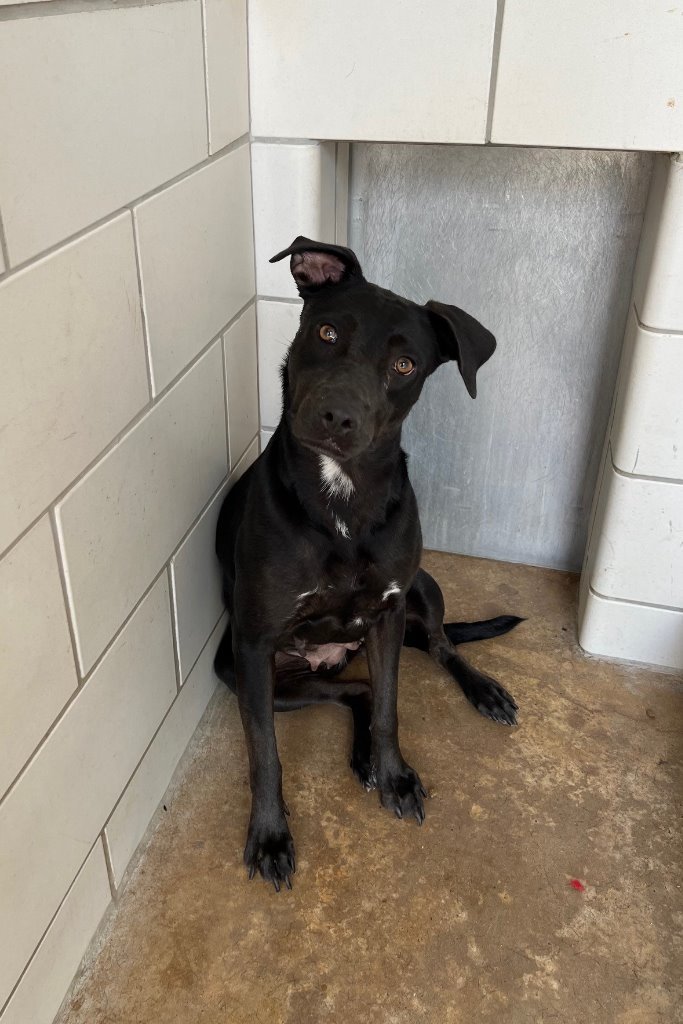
[323,654]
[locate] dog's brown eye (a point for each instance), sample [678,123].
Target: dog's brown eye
[404,366]
[328,333]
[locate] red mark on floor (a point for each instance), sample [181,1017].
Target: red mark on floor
[576,884]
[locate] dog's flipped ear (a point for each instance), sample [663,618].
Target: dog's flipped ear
[315,265]
[462,338]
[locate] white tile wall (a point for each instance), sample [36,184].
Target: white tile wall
[294,194]
[589,74]
[98,108]
[73,362]
[241,369]
[197,586]
[52,816]
[647,433]
[227,86]
[122,521]
[264,438]
[196,260]
[658,284]
[39,994]
[636,632]
[411,72]
[249,457]
[37,669]
[144,792]
[278,322]
[638,555]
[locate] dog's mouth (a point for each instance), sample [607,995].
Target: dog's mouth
[325,446]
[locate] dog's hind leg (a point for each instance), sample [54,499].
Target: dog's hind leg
[425,629]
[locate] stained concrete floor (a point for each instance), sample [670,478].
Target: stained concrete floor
[471,917]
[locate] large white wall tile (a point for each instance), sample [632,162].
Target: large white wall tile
[414,72]
[37,670]
[638,554]
[97,108]
[196,260]
[197,586]
[278,322]
[124,518]
[73,367]
[41,990]
[635,632]
[144,793]
[294,194]
[658,283]
[227,80]
[590,74]
[51,817]
[241,369]
[647,432]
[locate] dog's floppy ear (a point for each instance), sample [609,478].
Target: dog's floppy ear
[315,265]
[462,338]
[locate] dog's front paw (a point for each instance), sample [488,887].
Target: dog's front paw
[270,850]
[402,792]
[493,701]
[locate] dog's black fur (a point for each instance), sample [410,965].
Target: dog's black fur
[320,540]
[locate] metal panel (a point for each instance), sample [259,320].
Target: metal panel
[540,246]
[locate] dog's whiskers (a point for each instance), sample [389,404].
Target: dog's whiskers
[336,483]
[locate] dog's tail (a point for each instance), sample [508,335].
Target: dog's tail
[466,632]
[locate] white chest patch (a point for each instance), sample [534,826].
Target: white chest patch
[335,482]
[341,527]
[393,588]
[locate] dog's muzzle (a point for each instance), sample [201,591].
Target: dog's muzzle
[333,421]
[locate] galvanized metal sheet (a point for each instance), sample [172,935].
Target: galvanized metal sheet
[540,246]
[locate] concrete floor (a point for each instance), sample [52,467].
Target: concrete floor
[470,918]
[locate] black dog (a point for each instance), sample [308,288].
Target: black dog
[320,540]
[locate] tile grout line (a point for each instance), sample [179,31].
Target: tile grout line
[130,426]
[108,862]
[279,298]
[173,598]
[130,205]
[495,60]
[4,251]
[226,408]
[253,236]
[205,58]
[66,595]
[143,307]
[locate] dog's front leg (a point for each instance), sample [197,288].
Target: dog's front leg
[269,848]
[399,785]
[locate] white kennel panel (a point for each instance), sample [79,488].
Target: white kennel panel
[412,70]
[590,73]
[647,434]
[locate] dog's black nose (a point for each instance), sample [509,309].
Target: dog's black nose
[338,421]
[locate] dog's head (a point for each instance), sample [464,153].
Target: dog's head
[361,354]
